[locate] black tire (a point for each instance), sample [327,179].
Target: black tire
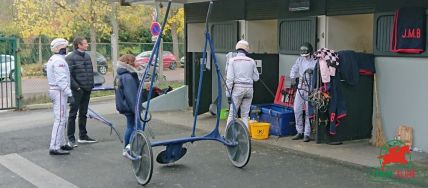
[12,75]
[143,168]
[173,65]
[240,154]
[102,69]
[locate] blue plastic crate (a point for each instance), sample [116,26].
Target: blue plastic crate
[281,118]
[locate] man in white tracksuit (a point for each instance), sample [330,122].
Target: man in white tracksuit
[297,74]
[60,94]
[241,73]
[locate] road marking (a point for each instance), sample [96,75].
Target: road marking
[33,173]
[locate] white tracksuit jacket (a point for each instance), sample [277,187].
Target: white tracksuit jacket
[298,71]
[59,89]
[241,73]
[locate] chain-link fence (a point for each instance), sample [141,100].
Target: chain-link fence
[30,51]
[34,56]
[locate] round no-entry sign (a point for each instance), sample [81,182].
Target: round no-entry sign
[155,29]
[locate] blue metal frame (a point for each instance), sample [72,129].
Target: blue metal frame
[214,134]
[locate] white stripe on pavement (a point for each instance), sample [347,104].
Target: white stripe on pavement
[34,174]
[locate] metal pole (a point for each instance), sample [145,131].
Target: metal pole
[114,39]
[154,51]
[201,70]
[160,56]
[18,85]
[40,50]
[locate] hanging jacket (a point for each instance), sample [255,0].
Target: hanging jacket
[328,60]
[127,89]
[353,64]
[336,109]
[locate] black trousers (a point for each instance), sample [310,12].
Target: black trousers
[80,105]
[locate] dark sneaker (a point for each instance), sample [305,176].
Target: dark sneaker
[72,143]
[58,152]
[298,136]
[66,147]
[306,139]
[86,140]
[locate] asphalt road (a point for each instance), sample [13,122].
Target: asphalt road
[34,86]
[24,160]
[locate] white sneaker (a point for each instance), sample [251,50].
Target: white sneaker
[126,152]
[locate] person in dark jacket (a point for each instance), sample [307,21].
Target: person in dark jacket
[126,96]
[82,82]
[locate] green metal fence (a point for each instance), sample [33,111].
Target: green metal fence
[10,74]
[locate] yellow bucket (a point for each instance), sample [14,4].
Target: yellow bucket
[259,130]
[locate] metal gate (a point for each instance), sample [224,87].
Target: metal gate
[10,75]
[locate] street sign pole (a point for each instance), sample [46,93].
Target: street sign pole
[160,56]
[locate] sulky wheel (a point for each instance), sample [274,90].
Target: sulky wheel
[141,149]
[240,154]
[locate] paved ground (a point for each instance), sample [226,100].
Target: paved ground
[24,161]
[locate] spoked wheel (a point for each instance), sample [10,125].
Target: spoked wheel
[143,165]
[240,154]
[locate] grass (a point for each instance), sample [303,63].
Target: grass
[32,70]
[173,84]
[39,99]
[101,93]
[35,70]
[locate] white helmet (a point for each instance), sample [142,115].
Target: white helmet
[57,44]
[242,44]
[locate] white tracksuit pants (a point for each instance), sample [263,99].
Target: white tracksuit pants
[59,100]
[299,104]
[242,97]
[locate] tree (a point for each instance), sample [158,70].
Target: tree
[94,13]
[175,25]
[42,17]
[6,17]
[133,18]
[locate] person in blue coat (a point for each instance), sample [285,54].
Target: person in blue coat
[126,96]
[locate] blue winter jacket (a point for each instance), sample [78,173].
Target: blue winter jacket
[127,88]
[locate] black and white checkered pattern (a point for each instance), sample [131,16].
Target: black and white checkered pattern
[329,55]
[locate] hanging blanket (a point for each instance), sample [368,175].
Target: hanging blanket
[336,106]
[408,32]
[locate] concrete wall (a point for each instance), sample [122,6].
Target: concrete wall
[352,32]
[402,84]
[172,101]
[285,63]
[221,60]
[196,38]
[261,34]
[321,31]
